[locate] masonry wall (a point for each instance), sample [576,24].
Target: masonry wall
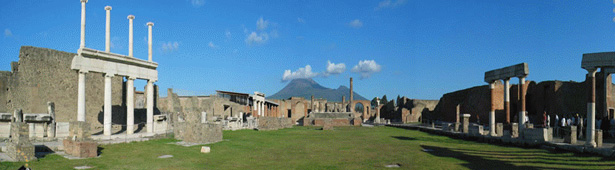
[43,75]
[190,107]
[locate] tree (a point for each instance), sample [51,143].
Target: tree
[374,102]
[384,100]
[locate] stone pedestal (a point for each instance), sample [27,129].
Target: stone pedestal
[327,125]
[515,130]
[499,129]
[598,138]
[571,137]
[529,125]
[78,143]
[81,149]
[466,123]
[19,146]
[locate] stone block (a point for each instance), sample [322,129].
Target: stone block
[466,123]
[499,129]
[37,130]
[21,152]
[599,138]
[81,149]
[5,129]
[456,126]
[62,129]
[515,130]
[19,146]
[205,149]
[356,121]
[571,137]
[160,124]
[196,132]
[529,125]
[327,125]
[537,134]
[476,130]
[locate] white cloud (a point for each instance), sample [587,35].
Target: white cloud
[305,72]
[301,20]
[355,23]
[170,46]
[212,45]
[8,33]
[366,68]
[257,38]
[261,24]
[197,3]
[333,68]
[390,4]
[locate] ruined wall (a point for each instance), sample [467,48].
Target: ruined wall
[189,108]
[555,97]
[274,123]
[43,75]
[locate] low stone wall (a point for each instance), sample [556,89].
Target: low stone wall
[538,134]
[274,123]
[196,132]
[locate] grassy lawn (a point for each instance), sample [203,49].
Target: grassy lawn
[309,148]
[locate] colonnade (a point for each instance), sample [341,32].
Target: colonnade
[520,71]
[132,69]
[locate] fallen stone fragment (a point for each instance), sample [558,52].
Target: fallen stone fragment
[165,156]
[205,149]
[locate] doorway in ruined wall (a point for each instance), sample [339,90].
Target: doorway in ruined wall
[359,108]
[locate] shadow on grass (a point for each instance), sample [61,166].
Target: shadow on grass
[474,162]
[478,159]
[403,138]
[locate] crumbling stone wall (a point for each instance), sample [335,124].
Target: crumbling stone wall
[190,107]
[274,123]
[554,97]
[196,132]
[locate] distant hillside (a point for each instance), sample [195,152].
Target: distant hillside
[308,87]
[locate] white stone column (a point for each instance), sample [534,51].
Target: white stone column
[507,99]
[108,30]
[130,41]
[492,110]
[130,106]
[149,41]
[262,108]
[107,107]
[150,106]
[522,103]
[591,109]
[82,43]
[81,96]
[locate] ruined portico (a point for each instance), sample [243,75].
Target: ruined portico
[520,71]
[111,64]
[591,62]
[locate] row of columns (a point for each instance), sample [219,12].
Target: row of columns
[81,101]
[522,91]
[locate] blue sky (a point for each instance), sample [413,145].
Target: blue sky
[418,49]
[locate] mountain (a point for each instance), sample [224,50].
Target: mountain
[307,87]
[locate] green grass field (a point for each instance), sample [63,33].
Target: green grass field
[309,148]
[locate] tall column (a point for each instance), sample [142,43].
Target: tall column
[522,92]
[108,30]
[312,104]
[130,106]
[150,106]
[351,96]
[130,18]
[591,109]
[149,41]
[492,110]
[82,43]
[262,108]
[507,99]
[81,96]
[107,108]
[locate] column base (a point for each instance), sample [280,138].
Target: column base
[590,145]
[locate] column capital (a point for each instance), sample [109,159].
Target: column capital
[506,79]
[131,17]
[84,1]
[591,72]
[108,8]
[109,75]
[83,72]
[150,24]
[131,78]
